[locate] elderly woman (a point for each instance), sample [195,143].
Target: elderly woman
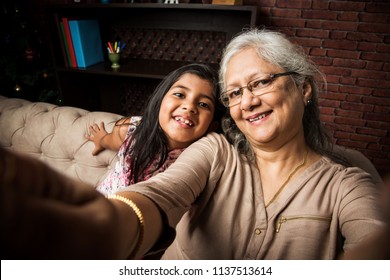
[272,189]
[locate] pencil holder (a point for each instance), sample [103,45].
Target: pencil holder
[114,59]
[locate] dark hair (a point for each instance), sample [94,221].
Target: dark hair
[149,141]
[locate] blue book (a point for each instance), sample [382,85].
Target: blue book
[87,42]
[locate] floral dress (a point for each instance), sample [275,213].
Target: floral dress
[119,177]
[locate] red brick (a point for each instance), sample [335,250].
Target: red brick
[352,63]
[351,144]
[380,7]
[371,131]
[349,121]
[316,24]
[332,88]
[308,42]
[290,13]
[365,138]
[376,56]
[313,33]
[373,27]
[298,4]
[346,6]
[349,113]
[368,47]
[384,48]
[340,25]
[355,90]
[380,92]
[373,65]
[376,100]
[320,4]
[329,103]
[317,52]
[373,83]
[371,17]
[287,22]
[385,141]
[327,111]
[356,107]
[319,14]
[339,44]
[334,95]
[368,74]
[338,35]
[333,79]
[336,70]
[377,117]
[382,109]
[348,80]
[322,60]
[364,37]
[342,127]
[354,98]
[344,54]
[341,135]
[348,16]
[379,125]
[374,147]
[327,118]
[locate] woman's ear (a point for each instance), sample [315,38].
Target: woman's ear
[307,92]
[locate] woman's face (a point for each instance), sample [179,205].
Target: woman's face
[187,110]
[274,118]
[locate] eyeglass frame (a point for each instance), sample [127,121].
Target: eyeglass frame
[272,77]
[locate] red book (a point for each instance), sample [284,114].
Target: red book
[69,42]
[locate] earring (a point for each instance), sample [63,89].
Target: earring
[309,102]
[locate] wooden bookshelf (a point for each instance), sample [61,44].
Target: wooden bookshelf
[159,38]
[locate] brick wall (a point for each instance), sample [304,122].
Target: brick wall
[350,41]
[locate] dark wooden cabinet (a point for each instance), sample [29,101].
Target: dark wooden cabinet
[159,38]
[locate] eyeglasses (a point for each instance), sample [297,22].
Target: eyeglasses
[257,87]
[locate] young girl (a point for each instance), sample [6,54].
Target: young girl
[182,109]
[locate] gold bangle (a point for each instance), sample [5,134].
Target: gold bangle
[140,217]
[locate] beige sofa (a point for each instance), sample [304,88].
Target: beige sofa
[56,135]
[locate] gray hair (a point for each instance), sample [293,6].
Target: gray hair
[276,49]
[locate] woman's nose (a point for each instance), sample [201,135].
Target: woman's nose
[248,100]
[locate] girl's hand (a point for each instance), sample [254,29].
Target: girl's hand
[96,134]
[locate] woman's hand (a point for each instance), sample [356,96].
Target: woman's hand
[45,215]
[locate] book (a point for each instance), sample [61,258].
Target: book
[87,42]
[68,37]
[62,40]
[64,45]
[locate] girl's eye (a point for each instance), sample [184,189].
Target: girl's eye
[178,94]
[204,105]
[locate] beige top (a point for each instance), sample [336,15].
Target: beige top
[325,209]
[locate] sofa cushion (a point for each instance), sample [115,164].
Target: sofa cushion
[56,135]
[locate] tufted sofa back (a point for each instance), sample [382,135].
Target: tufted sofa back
[56,135]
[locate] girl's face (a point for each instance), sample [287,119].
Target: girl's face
[271,119]
[187,110]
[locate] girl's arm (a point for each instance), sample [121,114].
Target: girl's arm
[66,219]
[104,140]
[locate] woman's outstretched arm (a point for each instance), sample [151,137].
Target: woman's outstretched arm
[45,215]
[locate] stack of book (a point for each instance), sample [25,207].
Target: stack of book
[81,42]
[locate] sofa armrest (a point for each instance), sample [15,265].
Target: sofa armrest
[56,135]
